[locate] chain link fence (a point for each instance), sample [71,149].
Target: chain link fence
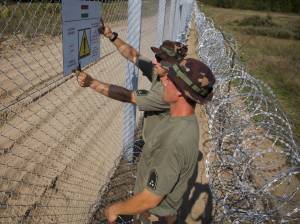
[254,162]
[59,143]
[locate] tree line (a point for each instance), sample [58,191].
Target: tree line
[269,5]
[45,1]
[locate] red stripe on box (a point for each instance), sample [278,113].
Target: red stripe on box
[84,6]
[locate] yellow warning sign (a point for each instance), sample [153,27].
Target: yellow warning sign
[84,46]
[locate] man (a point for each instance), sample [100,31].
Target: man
[151,101]
[170,155]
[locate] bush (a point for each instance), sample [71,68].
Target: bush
[257,21]
[264,26]
[296,31]
[269,32]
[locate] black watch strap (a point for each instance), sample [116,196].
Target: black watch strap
[115,36]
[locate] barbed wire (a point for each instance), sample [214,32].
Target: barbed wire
[253,165]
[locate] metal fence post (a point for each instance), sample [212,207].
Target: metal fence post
[175,18]
[172,19]
[134,35]
[186,9]
[161,22]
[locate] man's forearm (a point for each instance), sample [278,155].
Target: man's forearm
[120,93]
[114,92]
[126,50]
[134,205]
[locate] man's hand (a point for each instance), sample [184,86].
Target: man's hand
[159,70]
[126,50]
[110,214]
[105,29]
[84,80]
[137,204]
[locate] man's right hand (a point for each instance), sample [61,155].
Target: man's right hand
[84,80]
[105,29]
[126,50]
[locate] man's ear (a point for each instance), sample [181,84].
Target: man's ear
[179,93]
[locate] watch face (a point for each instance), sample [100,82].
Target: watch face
[114,37]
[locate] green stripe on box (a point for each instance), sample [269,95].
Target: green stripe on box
[84,15]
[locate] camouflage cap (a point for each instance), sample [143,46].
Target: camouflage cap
[170,51]
[193,79]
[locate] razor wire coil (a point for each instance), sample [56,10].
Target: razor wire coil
[254,162]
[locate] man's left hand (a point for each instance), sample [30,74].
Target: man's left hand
[105,30]
[83,79]
[110,215]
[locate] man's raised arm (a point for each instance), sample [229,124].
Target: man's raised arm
[125,49]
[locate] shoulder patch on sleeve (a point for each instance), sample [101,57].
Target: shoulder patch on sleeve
[142,92]
[152,180]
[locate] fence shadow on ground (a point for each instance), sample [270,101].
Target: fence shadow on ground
[192,195]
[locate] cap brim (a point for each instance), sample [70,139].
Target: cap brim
[163,55]
[156,50]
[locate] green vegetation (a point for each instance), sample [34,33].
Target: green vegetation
[265,26]
[256,21]
[269,5]
[30,19]
[269,47]
[44,18]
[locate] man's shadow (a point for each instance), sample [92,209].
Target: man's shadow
[192,195]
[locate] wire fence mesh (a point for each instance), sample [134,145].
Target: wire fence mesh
[254,162]
[59,143]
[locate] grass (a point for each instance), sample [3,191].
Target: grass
[265,26]
[269,47]
[30,19]
[44,18]
[256,21]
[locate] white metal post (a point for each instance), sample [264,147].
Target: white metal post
[134,35]
[186,15]
[177,19]
[161,22]
[172,19]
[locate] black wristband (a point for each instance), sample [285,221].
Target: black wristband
[115,36]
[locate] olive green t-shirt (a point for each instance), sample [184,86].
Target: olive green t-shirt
[168,162]
[150,101]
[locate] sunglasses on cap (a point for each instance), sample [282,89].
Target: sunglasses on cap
[158,59]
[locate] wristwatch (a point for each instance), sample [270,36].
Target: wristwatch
[114,36]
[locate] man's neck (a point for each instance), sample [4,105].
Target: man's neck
[181,108]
